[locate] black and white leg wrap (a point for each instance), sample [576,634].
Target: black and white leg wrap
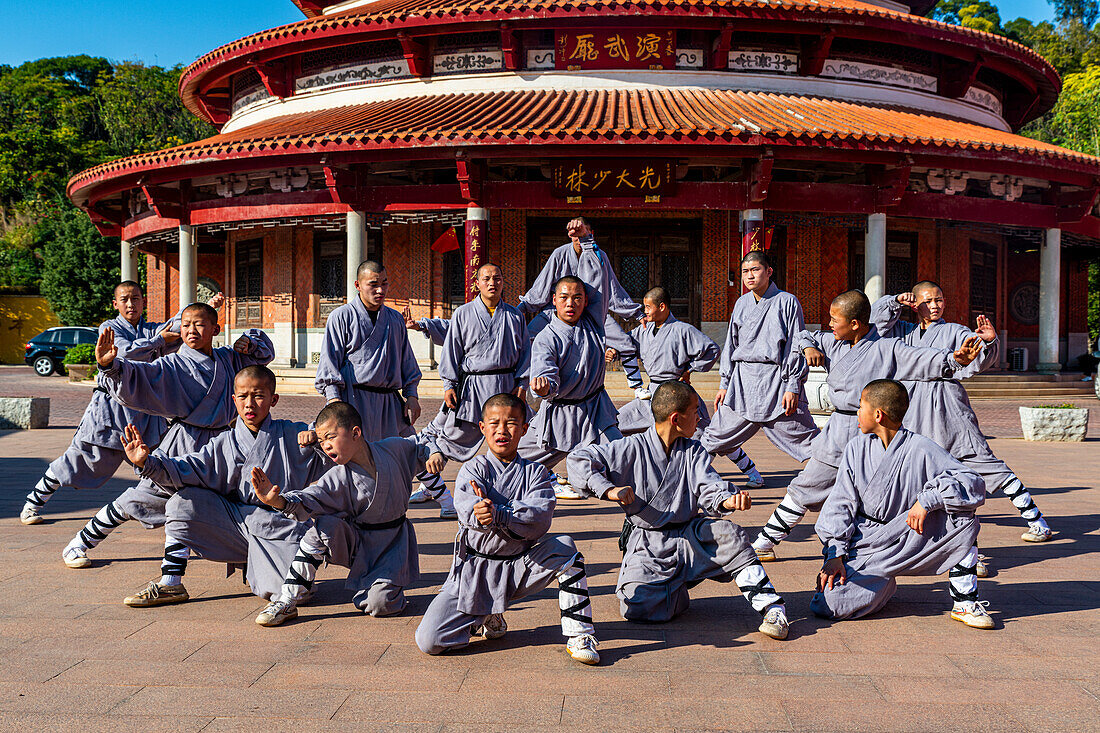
[105,521]
[741,458]
[43,490]
[175,558]
[573,599]
[963,578]
[756,586]
[783,521]
[1021,499]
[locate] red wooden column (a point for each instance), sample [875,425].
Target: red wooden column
[752,238]
[477,233]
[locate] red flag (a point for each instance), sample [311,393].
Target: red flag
[447,242]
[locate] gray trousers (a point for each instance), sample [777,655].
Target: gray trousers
[551,457]
[85,465]
[811,487]
[791,434]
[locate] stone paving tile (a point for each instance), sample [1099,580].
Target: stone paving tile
[72,656]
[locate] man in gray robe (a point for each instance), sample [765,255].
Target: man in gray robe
[940,409]
[358,513]
[567,371]
[96,451]
[762,371]
[366,359]
[502,552]
[581,258]
[214,511]
[193,390]
[486,352]
[854,354]
[901,506]
[662,478]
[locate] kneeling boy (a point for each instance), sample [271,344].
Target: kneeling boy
[662,478]
[505,505]
[358,511]
[901,506]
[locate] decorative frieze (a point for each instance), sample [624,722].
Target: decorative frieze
[468,60]
[393,68]
[690,58]
[773,61]
[873,73]
[540,58]
[982,98]
[256,94]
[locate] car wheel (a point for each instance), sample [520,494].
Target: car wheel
[43,366]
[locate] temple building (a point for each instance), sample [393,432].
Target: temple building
[861,143]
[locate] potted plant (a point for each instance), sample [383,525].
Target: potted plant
[1067,422]
[80,363]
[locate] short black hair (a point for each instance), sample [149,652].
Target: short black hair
[757,255]
[127,284]
[368,266]
[671,397]
[571,279]
[342,413]
[508,400]
[657,295]
[259,373]
[926,285]
[853,305]
[207,312]
[888,395]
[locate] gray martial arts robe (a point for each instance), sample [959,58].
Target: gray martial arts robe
[214,510]
[670,547]
[96,451]
[941,409]
[521,559]
[606,294]
[190,389]
[760,362]
[359,518]
[482,356]
[864,519]
[851,367]
[577,410]
[434,329]
[667,353]
[370,366]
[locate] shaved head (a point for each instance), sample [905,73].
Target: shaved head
[367,266]
[671,397]
[657,296]
[889,396]
[202,310]
[853,305]
[924,285]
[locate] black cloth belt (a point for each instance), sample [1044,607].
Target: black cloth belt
[844,412]
[868,517]
[381,525]
[181,421]
[97,388]
[490,556]
[378,390]
[487,372]
[584,399]
[629,527]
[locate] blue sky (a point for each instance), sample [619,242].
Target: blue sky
[168,33]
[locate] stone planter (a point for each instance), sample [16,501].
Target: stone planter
[24,412]
[78,372]
[1054,423]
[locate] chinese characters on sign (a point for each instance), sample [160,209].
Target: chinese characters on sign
[611,49]
[578,178]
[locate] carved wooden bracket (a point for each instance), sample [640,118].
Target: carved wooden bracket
[815,50]
[416,53]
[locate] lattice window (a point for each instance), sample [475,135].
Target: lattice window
[676,276]
[983,280]
[634,275]
[331,58]
[468,40]
[454,278]
[250,283]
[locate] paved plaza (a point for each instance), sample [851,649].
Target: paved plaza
[72,657]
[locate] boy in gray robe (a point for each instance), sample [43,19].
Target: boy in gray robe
[486,352]
[214,511]
[502,552]
[940,409]
[366,359]
[193,389]
[901,506]
[358,516]
[762,371]
[567,371]
[581,258]
[854,354]
[96,451]
[662,478]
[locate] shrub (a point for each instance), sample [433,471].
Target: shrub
[82,354]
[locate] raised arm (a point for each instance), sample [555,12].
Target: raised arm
[702,351]
[542,290]
[148,387]
[619,301]
[920,364]
[253,347]
[589,471]
[885,315]
[202,468]
[954,490]
[434,329]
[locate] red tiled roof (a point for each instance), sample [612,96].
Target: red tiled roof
[397,13]
[580,117]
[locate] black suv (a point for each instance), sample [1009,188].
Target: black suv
[46,350]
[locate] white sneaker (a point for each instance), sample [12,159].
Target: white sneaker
[493,627]
[76,557]
[563,490]
[973,614]
[276,613]
[642,393]
[583,649]
[775,623]
[30,515]
[424,494]
[982,569]
[756,481]
[1037,533]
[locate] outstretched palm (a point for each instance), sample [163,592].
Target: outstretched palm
[266,491]
[105,349]
[134,445]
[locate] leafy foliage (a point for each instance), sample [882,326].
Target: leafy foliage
[80,268]
[80,354]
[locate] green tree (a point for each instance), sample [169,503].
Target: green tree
[80,267]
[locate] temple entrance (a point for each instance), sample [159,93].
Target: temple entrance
[644,253]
